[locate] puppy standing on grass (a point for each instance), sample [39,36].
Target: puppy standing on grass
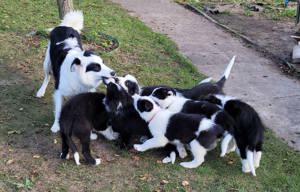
[249,130]
[81,115]
[166,127]
[75,70]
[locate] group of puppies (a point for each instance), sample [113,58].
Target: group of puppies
[153,117]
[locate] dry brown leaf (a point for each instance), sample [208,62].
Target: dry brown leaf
[185,183]
[9,162]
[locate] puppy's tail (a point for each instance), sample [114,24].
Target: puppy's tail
[207,80]
[73,19]
[225,76]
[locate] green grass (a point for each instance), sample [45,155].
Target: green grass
[29,152]
[273,9]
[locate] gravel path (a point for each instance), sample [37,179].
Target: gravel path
[254,78]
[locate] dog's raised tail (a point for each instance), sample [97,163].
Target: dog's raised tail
[225,76]
[73,19]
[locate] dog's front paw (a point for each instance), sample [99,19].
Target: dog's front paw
[93,136]
[55,128]
[138,147]
[40,93]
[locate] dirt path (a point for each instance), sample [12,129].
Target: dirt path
[254,78]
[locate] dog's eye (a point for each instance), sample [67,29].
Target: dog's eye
[127,83]
[93,67]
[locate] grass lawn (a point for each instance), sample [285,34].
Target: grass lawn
[272,9]
[29,153]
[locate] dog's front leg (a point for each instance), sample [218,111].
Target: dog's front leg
[151,143]
[58,100]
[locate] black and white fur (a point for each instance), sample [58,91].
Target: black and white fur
[81,115]
[167,99]
[197,131]
[125,120]
[199,91]
[249,130]
[74,69]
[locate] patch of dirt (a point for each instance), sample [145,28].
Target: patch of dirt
[274,36]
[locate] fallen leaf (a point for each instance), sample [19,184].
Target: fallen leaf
[13,132]
[163,182]
[135,158]
[55,141]
[36,156]
[9,162]
[185,183]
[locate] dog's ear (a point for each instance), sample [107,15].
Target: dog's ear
[77,62]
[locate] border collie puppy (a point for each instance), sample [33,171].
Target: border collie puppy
[81,115]
[166,127]
[75,70]
[199,91]
[129,83]
[124,119]
[249,130]
[167,99]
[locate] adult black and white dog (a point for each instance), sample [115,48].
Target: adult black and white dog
[81,115]
[249,130]
[197,131]
[74,69]
[167,99]
[199,91]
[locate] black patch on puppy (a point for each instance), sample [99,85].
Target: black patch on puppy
[209,137]
[132,87]
[163,92]
[79,116]
[57,52]
[96,67]
[144,105]
[125,120]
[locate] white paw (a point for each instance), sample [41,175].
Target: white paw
[173,157]
[93,136]
[40,93]
[187,165]
[223,154]
[98,161]
[138,147]
[245,166]
[67,157]
[167,160]
[182,153]
[55,128]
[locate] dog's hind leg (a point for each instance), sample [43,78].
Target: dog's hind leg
[47,68]
[64,147]
[181,150]
[250,159]
[257,155]
[198,152]
[85,142]
[225,143]
[58,101]
[73,148]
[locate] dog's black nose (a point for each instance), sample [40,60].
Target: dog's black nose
[113,73]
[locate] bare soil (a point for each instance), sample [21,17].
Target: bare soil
[274,36]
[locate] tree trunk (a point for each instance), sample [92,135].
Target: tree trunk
[64,6]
